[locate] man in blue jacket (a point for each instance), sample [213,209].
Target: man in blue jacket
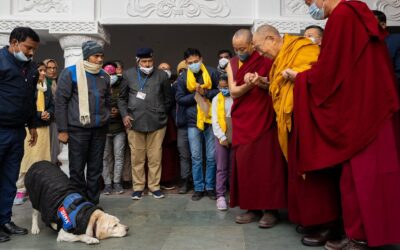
[18,79]
[195,90]
[83,107]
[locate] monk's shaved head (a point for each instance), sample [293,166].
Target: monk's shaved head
[267,30]
[242,43]
[243,34]
[267,41]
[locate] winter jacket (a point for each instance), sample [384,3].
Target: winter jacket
[17,92]
[67,104]
[186,99]
[151,113]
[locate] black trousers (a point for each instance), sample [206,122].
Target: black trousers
[11,153]
[86,149]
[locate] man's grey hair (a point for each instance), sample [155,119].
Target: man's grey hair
[243,34]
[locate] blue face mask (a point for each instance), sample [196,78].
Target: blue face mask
[315,12]
[225,91]
[195,67]
[243,57]
[20,56]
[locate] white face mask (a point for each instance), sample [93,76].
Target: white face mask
[223,62]
[113,79]
[146,71]
[168,72]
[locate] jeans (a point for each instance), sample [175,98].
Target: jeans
[11,153]
[196,138]
[86,149]
[113,160]
[184,153]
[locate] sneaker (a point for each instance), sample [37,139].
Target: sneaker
[158,194]
[221,204]
[20,198]
[107,189]
[211,194]
[118,188]
[197,195]
[137,195]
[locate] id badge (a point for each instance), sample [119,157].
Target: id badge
[141,95]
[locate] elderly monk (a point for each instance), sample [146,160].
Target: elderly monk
[258,172]
[312,201]
[343,111]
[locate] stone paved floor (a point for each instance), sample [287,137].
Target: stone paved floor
[173,223]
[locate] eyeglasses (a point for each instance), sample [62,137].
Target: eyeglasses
[51,68]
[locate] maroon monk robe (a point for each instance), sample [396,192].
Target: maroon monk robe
[169,162]
[258,166]
[342,108]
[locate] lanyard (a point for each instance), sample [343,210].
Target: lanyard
[142,82]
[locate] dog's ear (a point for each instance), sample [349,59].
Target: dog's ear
[93,221]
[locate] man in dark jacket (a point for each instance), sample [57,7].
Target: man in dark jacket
[82,113]
[196,88]
[144,103]
[18,79]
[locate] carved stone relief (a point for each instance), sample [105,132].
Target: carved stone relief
[44,6]
[293,7]
[391,8]
[178,8]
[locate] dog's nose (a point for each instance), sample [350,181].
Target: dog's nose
[127,229]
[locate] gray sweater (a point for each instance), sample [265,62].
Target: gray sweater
[151,113]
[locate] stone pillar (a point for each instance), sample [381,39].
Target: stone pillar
[4,39]
[72,46]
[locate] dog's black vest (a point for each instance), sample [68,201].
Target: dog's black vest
[48,186]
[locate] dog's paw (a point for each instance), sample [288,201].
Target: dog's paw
[35,230]
[92,241]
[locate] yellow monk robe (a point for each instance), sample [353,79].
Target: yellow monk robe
[297,53]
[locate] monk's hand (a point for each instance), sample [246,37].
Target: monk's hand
[32,141]
[248,78]
[63,137]
[289,74]
[128,122]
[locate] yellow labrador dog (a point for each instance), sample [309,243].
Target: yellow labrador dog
[65,209]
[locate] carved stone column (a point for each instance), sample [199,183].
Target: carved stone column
[72,46]
[4,40]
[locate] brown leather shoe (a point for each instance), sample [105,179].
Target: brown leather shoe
[268,220]
[336,244]
[249,216]
[356,245]
[321,237]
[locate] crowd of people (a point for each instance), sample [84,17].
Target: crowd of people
[307,124]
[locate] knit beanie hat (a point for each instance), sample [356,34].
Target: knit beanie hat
[90,48]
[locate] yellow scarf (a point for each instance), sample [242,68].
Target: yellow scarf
[297,53]
[221,111]
[191,85]
[40,105]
